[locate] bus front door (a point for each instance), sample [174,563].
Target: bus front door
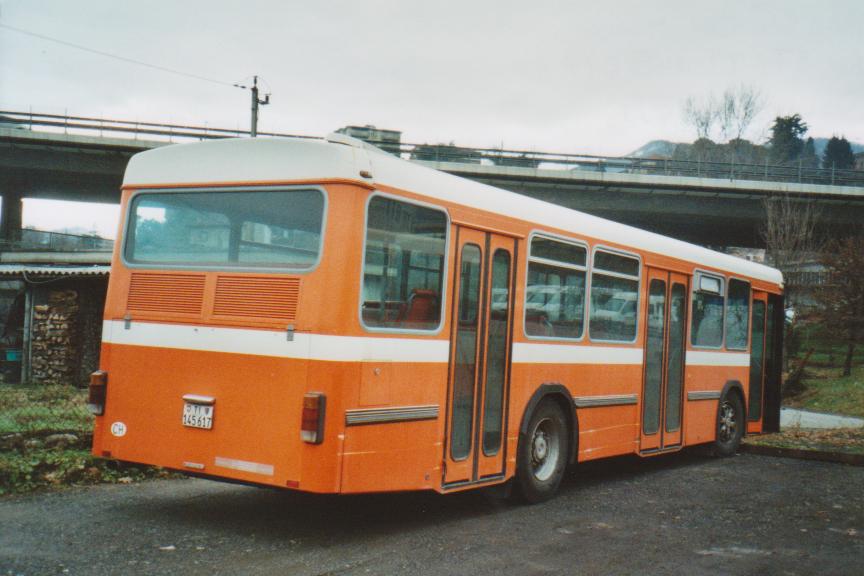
[663,380]
[757,362]
[475,447]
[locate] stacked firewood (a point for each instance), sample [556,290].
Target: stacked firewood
[55,341]
[91,303]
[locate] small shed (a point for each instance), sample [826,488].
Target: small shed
[51,322]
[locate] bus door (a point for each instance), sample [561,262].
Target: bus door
[757,362]
[663,380]
[478,387]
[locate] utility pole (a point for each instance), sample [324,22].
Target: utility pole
[255,103]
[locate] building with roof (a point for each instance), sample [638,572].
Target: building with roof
[51,304]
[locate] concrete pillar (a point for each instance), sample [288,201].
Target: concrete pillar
[11,216]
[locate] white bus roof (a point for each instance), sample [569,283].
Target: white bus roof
[270,160]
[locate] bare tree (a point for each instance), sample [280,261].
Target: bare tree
[736,111]
[842,297]
[730,116]
[789,230]
[702,115]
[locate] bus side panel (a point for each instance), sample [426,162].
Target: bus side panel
[392,453]
[603,430]
[392,457]
[608,431]
[700,416]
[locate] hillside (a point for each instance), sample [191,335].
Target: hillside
[665,148]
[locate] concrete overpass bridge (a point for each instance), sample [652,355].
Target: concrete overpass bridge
[83,159]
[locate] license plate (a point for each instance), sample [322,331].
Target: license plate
[198,415]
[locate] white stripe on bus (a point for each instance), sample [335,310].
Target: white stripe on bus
[701,358]
[276,343]
[524,352]
[370,348]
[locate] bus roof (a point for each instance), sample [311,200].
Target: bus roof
[272,160]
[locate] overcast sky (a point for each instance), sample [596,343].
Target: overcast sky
[578,76]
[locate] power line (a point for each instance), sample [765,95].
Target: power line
[116,57]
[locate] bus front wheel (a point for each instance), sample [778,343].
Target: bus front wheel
[542,455]
[730,424]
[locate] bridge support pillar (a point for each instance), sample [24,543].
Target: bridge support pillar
[11,216]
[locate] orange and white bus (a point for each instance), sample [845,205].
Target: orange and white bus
[322,316]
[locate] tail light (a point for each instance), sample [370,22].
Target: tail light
[98,390]
[312,426]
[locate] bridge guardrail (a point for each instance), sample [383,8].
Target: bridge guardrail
[794,172]
[43,240]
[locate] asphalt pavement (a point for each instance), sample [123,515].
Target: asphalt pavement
[680,514]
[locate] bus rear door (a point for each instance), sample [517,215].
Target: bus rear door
[478,387]
[663,381]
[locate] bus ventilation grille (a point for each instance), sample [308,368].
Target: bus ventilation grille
[257,297]
[177,293]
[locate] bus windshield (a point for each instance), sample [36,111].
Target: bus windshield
[273,228]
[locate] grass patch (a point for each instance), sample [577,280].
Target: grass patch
[827,391]
[823,388]
[843,440]
[42,468]
[35,409]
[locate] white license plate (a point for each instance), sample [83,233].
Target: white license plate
[198,415]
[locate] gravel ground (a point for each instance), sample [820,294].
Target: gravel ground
[680,514]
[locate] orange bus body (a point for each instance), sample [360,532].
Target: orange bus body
[253,343]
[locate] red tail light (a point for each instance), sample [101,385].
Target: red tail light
[312,426]
[98,390]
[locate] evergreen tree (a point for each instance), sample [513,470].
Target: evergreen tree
[787,141]
[838,154]
[809,158]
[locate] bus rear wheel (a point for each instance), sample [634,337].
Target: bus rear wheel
[542,455]
[730,424]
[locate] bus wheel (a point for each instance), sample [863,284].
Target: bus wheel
[730,424]
[542,455]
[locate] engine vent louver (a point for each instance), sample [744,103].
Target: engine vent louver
[257,297]
[176,293]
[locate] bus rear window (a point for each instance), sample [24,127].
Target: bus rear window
[247,229]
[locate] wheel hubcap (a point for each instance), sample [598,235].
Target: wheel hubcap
[545,448]
[728,423]
[541,447]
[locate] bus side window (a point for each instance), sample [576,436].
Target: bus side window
[403,265]
[737,314]
[555,294]
[614,297]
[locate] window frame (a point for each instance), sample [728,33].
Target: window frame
[697,274]
[294,271]
[444,272]
[729,280]
[638,278]
[546,261]
[508,353]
